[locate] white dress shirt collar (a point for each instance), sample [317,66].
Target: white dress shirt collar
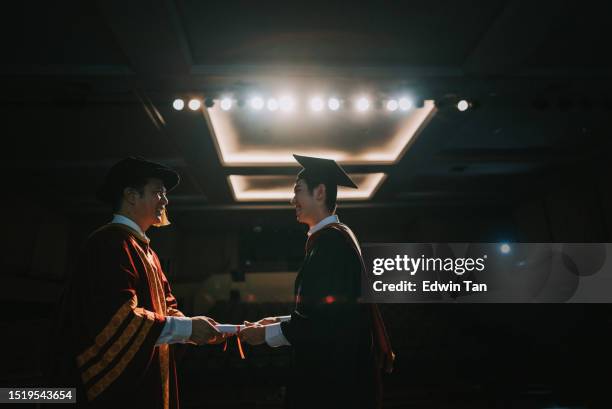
[328,220]
[126,221]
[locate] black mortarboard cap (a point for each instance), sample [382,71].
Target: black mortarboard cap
[326,170]
[132,170]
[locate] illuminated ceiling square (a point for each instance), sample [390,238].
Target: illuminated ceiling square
[265,188]
[245,137]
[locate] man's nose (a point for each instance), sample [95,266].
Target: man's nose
[164,199]
[292,201]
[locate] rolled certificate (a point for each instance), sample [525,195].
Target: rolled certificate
[229,328]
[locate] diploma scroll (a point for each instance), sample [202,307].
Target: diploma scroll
[229,328]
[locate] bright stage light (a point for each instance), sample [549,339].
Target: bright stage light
[392,105]
[195,104]
[272,104]
[505,248]
[226,104]
[317,104]
[363,104]
[463,105]
[333,104]
[405,104]
[256,103]
[178,104]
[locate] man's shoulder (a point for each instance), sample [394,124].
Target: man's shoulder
[108,234]
[337,230]
[334,235]
[336,242]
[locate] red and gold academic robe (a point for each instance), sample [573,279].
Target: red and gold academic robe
[113,312]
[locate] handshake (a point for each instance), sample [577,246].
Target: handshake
[205,330]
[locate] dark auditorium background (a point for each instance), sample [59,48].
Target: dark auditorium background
[86,83]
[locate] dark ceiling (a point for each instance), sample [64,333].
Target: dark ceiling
[87,83]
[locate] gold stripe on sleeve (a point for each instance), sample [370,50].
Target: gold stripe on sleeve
[107,333]
[114,350]
[114,373]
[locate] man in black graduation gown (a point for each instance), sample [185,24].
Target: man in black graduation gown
[340,346]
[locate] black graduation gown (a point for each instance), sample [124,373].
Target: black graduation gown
[330,332]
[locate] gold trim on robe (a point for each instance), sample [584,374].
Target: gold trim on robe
[117,346]
[158,299]
[108,332]
[114,373]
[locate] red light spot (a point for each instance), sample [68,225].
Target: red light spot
[330,299]
[250,297]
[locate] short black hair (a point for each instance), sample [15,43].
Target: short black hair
[331,189]
[136,184]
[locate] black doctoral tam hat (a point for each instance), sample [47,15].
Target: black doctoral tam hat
[131,171]
[326,170]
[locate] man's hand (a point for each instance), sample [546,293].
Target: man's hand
[218,339]
[263,321]
[254,335]
[203,331]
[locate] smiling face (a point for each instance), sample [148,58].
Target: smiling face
[147,207]
[309,206]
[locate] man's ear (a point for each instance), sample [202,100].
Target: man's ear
[320,192]
[128,195]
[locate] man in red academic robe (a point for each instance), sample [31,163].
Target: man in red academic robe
[119,320]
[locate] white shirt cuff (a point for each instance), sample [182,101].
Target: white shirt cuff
[274,336]
[177,330]
[284,318]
